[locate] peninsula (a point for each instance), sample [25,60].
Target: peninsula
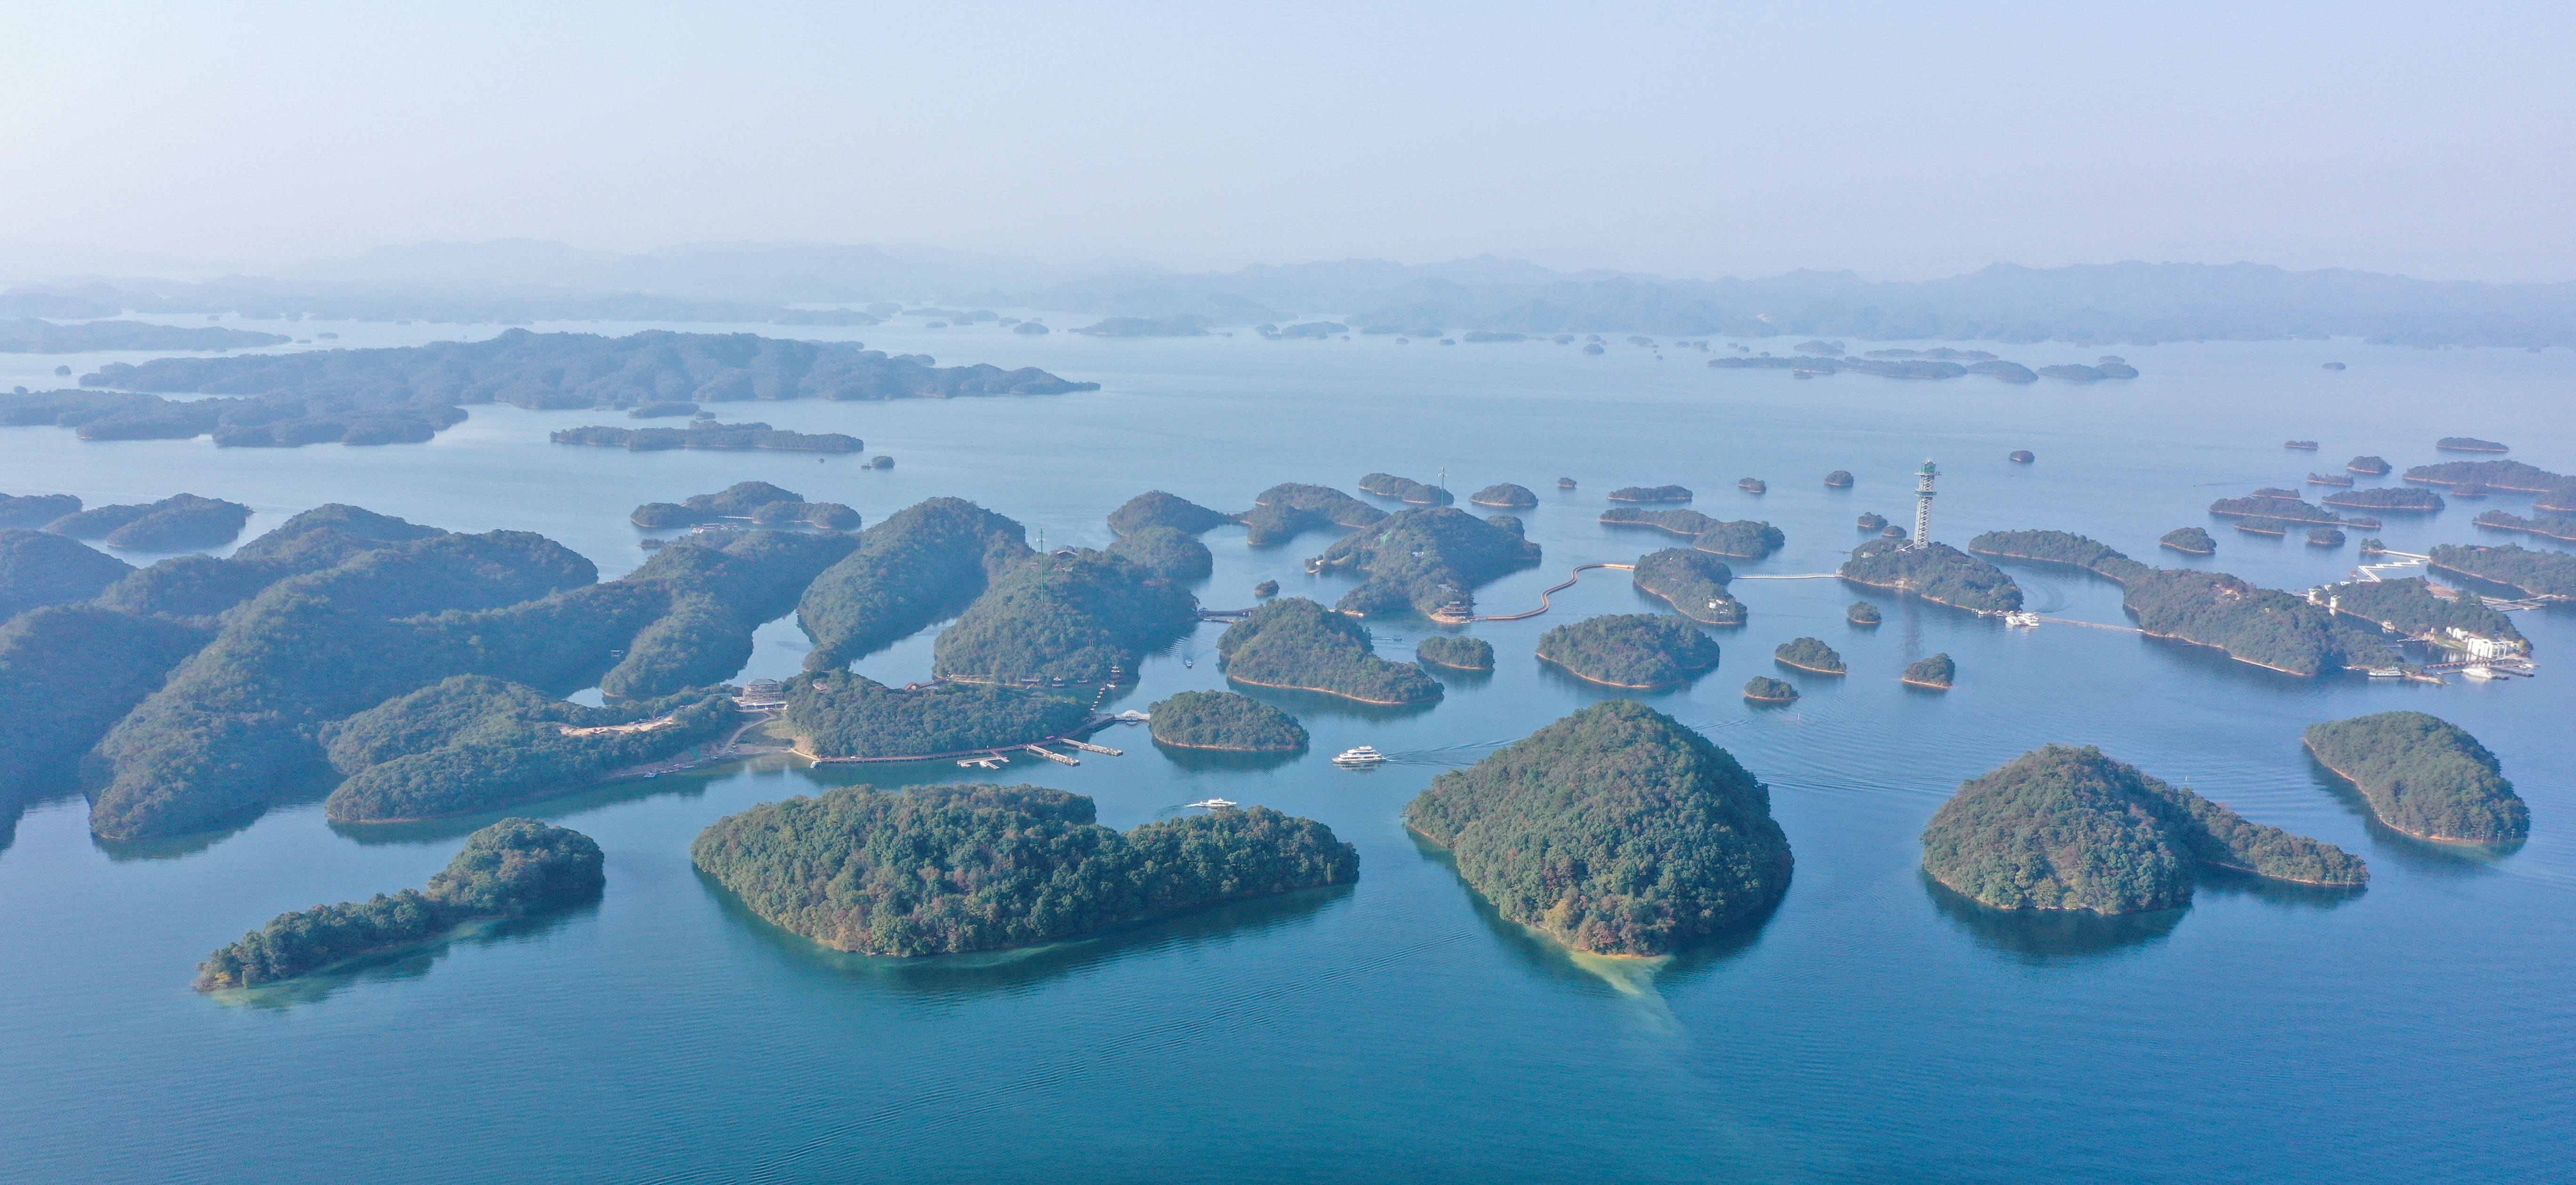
[2060,547]
[1168,552]
[181,522]
[841,714]
[1639,651]
[2424,776]
[2550,574]
[2547,526]
[1676,839]
[38,569]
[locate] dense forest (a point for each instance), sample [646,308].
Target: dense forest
[1463,654]
[1289,509]
[2546,526]
[181,522]
[2423,775]
[2411,607]
[471,743]
[1693,582]
[37,568]
[2061,547]
[35,510]
[511,868]
[1405,489]
[920,564]
[2537,573]
[1504,495]
[1296,643]
[1810,654]
[109,659]
[1154,508]
[1743,539]
[1863,613]
[2406,499]
[947,869]
[1937,671]
[2189,541]
[1084,616]
[1615,831]
[1224,720]
[708,434]
[2263,626]
[30,335]
[2067,828]
[2284,507]
[841,714]
[1936,572]
[1168,552]
[1632,650]
[1428,559]
[1765,689]
[755,501]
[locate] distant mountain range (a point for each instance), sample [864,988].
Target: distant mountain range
[517,281]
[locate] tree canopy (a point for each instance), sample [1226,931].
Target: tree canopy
[1935,572]
[1225,720]
[1294,642]
[2423,775]
[1634,650]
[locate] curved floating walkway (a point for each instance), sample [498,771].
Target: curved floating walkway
[1544,596]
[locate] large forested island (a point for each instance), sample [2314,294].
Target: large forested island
[1615,831]
[751,501]
[1224,720]
[473,743]
[948,869]
[1298,644]
[1631,650]
[916,566]
[1428,560]
[2285,506]
[30,335]
[1693,582]
[408,393]
[2501,475]
[1080,616]
[1743,539]
[1936,572]
[2060,547]
[511,868]
[2262,626]
[2424,776]
[1285,510]
[2070,829]
[2537,573]
[842,714]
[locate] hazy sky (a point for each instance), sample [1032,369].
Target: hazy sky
[1898,140]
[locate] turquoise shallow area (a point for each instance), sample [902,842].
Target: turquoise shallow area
[1875,1028]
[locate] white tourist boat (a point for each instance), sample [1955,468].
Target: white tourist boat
[1214,804]
[2480,673]
[1362,755]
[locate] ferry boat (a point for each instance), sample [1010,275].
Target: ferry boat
[2479,673]
[1214,804]
[2022,618]
[1363,755]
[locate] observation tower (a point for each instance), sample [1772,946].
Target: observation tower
[1923,506]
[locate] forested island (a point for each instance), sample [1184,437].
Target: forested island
[2279,506]
[2468,444]
[30,335]
[1936,572]
[1224,720]
[844,714]
[2264,526]
[2424,776]
[2061,547]
[1168,552]
[1154,508]
[1766,690]
[751,501]
[1753,485]
[708,434]
[1615,831]
[2373,466]
[1504,495]
[1405,489]
[2501,475]
[1743,539]
[1284,511]
[918,565]
[2189,541]
[1461,654]
[2325,537]
[948,869]
[1862,613]
[1075,617]
[1870,520]
[1937,672]
[2399,498]
[2536,573]
[1298,644]
[1809,654]
[2021,456]
[176,523]
[2263,626]
[1840,479]
[2546,526]
[472,743]
[1428,560]
[1639,651]
[512,868]
[2329,479]
[1693,582]
[1650,494]
[2062,828]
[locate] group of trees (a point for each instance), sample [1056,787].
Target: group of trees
[1634,650]
[844,714]
[1650,494]
[1616,830]
[1296,643]
[1935,572]
[757,501]
[1405,489]
[1084,616]
[1693,582]
[1225,720]
[1458,653]
[2063,547]
[920,564]
[2068,828]
[948,869]
[2537,573]
[1428,558]
[2424,776]
[511,868]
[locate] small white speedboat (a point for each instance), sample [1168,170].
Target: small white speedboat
[1214,804]
[1362,755]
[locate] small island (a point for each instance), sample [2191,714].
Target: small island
[2303,445]
[2546,526]
[1936,572]
[510,869]
[1810,654]
[181,522]
[1167,552]
[1463,654]
[841,714]
[1182,325]
[2022,456]
[2372,466]
[2263,526]
[1871,521]
[2502,475]
[2469,444]
[749,501]
[1224,720]
[662,411]
[1427,560]
[2329,479]
[1266,589]
[1862,613]
[1936,672]
[1752,485]
[1286,510]
[1743,539]
[1638,651]
[1299,645]
[1651,494]
[2276,505]
[2062,828]
[2325,537]
[1763,689]
[1405,489]
[2403,499]
[1693,582]
[708,434]
[1677,838]
[2424,776]
[1154,508]
[1565,483]
[1504,495]
[2549,574]
[1840,479]
[938,870]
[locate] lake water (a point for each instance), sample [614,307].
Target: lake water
[1875,1028]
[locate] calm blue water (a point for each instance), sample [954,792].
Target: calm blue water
[1874,1029]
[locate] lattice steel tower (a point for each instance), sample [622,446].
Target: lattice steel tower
[1923,506]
